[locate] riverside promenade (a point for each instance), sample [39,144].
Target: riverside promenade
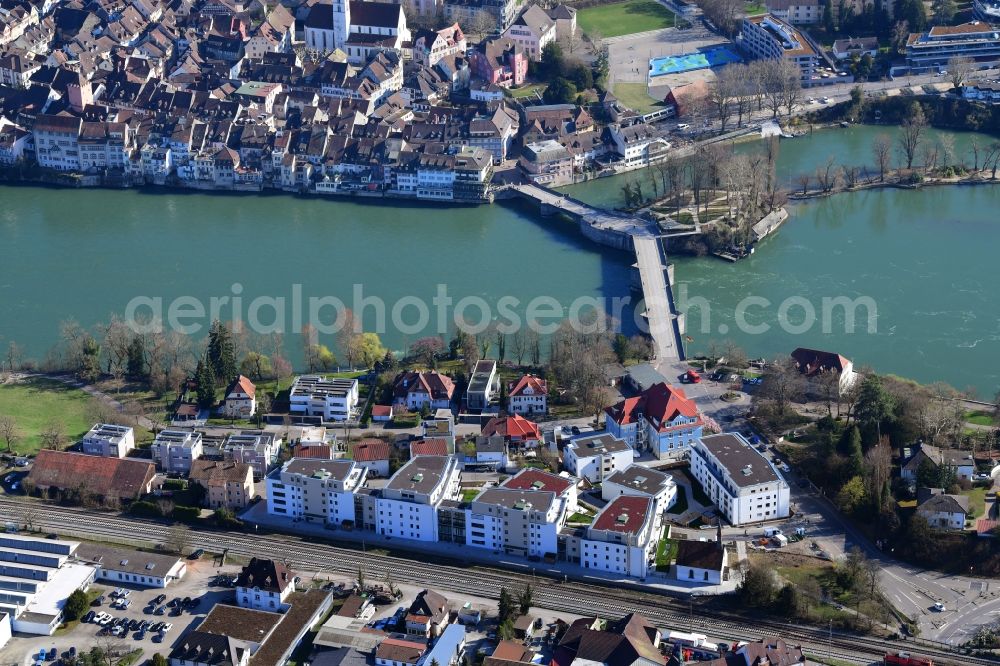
[631,234]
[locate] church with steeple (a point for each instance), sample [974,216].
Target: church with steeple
[356,27]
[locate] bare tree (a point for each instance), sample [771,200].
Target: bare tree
[911,133]
[178,538]
[723,92]
[53,435]
[947,144]
[349,336]
[878,468]
[782,384]
[9,431]
[14,356]
[803,180]
[959,68]
[826,175]
[929,156]
[882,150]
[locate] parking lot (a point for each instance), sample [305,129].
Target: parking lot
[198,585]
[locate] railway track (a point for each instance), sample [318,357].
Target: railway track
[568,597]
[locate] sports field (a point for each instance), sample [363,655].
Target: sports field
[624,18]
[712,57]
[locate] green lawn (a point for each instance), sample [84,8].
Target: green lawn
[634,96]
[979,418]
[469,494]
[977,501]
[35,403]
[529,90]
[752,8]
[580,517]
[625,18]
[666,552]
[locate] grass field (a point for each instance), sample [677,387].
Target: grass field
[977,501]
[35,403]
[529,90]
[979,418]
[634,96]
[624,18]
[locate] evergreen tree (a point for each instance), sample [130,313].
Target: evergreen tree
[206,385]
[525,599]
[90,360]
[875,406]
[221,352]
[136,366]
[505,608]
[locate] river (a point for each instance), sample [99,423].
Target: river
[926,260]
[86,254]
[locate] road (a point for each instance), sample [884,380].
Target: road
[309,553]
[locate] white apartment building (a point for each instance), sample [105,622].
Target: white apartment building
[517,522]
[174,450]
[595,457]
[641,481]
[623,537]
[332,399]
[533,30]
[638,144]
[57,142]
[408,505]
[108,440]
[743,484]
[256,448]
[767,37]
[315,490]
[796,12]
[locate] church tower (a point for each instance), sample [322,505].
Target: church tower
[341,23]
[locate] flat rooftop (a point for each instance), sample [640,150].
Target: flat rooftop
[420,475]
[588,446]
[317,468]
[642,479]
[536,479]
[521,500]
[316,386]
[746,466]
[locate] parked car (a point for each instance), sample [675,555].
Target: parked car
[196,554]
[160,610]
[159,599]
[99,601]
[89,617]
[692,376]
[166,628]
[939,607]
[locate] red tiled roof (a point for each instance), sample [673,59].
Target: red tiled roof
[382,410]
[435,446]
[512,426]
[659,403]
[118,477]
[370,449]
[529,479]
[435,384]
[244,385]
[538,386]
[318,451]
[624,514]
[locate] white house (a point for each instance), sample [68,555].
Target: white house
[315,490]
[241,399]
[814,364]
[256,448]
[409,503]
[417,390]
[108,440]
[372,454]
[700,562]
[333,399]
[638,144]
[132,567]
[529,395]
[533,30]
[944,511]
[482,385]
[174,450]
[623,537]
[595,457]
[641,481]
[741,482]
[264,585]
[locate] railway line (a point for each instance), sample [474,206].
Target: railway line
[569,597]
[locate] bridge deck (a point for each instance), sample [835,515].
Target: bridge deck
[650,259]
